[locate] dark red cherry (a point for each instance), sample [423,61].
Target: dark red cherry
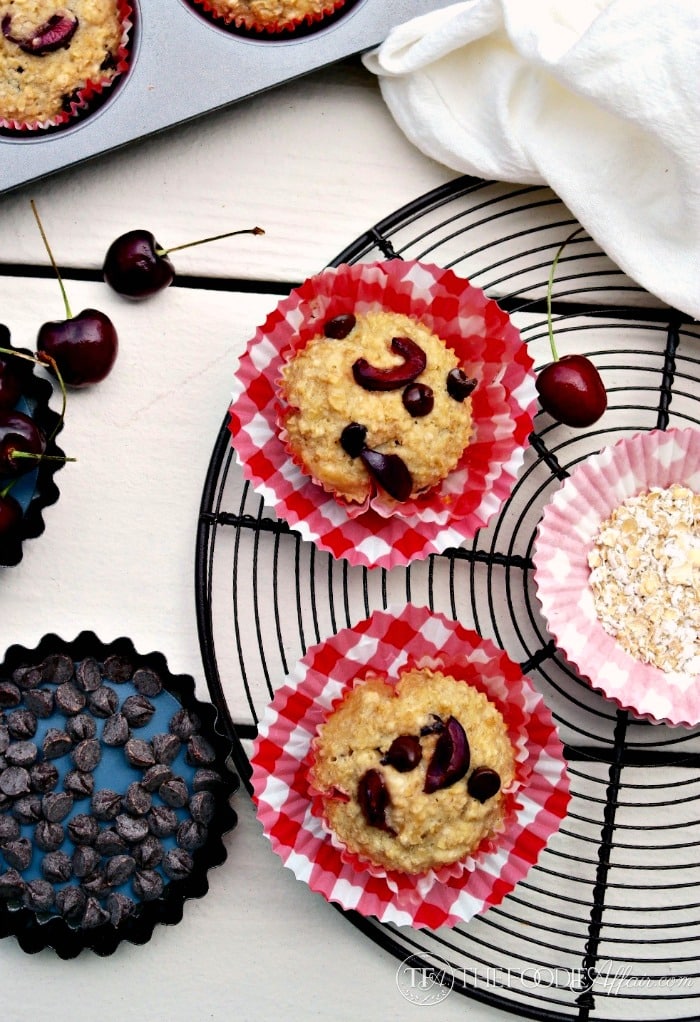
[18,433]
[483,783]
[459,385]
[373,799]
[572,391]
[340,326]
[418,400]
[404,754]
[10,513]
[352,439]
[52,35]
[393,377]
[390,472]
[11,385]
[450,760]
[84,347]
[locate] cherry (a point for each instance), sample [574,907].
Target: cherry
[450,760]
[82,347]
[483,783]
[570,387]
[52,35]
[418,399]
[136,266]
[11,376]
[373,799]
[394,377]
[19,432]
[340,326]
[459,385]
[352,439]
[10,513]
[404,754]
[390,472]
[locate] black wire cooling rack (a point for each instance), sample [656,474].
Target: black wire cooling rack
[607,925]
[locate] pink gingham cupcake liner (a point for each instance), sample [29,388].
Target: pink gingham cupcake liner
[287,804]
[382,534]
[565,536]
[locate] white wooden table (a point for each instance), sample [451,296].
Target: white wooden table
[315,163]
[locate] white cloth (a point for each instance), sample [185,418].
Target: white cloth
[599,99]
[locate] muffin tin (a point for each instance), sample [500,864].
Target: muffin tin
[185,65]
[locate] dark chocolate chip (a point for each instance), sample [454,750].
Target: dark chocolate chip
[85,861]
[9,828]
[109,842]
[27,676]
[200,752]
[207,780]
[138,710]
[120,907]
[48,836]
[184,724]
[106,804]
[203,807]
[177,863]
[57,668]
[166,747]
[40,701]
[39,895]
[43,776]
[162,821]
[83,829]
[56,805]
[137,800]
[148,884]
[148,853]
[21,723]
[80,783]
[14,781]
[174,792]
[56,743]
[11,885]
[18,853]
[131,828]
[81,726]
[155,776]
[22,754]
[191,835]
[118,669]
[70,902]
[147,682]
[4,737]
[57,867]
[118,869]
[116,730]
[69,699]
[87,754]
[96,884]
[103,701]
[94,915]
[139,753]
[88,675]
[10,694]
[483,783]
[27,809]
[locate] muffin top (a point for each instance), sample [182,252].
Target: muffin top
[383,388]
[49,53]
[412,775]
[270,14]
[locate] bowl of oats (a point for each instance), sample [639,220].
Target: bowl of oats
[617,571]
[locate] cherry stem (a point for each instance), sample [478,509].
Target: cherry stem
[40,457]
[203,241]
[45,360]
[4,492]
[69,314]
[550,285]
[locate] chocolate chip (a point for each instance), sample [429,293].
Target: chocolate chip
[120,907]
[57,668]
[28,676]
[80,783]
[131,828]
[96,884]
[148,884]
[118,669]
[155,776]
[56,743]
[80,727]
[106,804]
[48,836]
[109,842]
[70,902]
[57,867]
[83,829]
[149,852]
[177,863]
[39,895]
[174,792]
[139,753]
[14,781]
[18,853]
[138,710]
[118,869]
[69,699]
[203,807]
[200,752]
[87,754]
[22,723]
[184,724]
[10,694]
[43,776]
[22,754]
[4,737]
[56,806]
[191,835]
[137,800]
[147,682]
[94,915]
[166,747]
[11,885]
[85,861]
[162,821]
[88,675]
[9,829]
[483,783]
[116,730]
[27,809]
[103,701]
[40,701]
[207,780]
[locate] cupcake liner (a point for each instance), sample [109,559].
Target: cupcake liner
[565,535]
[385,534]
[247,23]
[90,93]
[384,644]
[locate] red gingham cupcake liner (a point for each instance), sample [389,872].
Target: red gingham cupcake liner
[385,643]
[565,536]
[90,92]
[486,343]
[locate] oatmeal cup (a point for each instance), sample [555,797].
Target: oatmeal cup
[465,451]
[617,570]
[292,797]
[57,63]
[270,16]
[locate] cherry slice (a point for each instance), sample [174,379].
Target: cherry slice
[373,799]
[450,759]
[394,377]
[459,385]
[340,326]
[52,35]
[390,472]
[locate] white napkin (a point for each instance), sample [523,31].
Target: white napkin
[599,99]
